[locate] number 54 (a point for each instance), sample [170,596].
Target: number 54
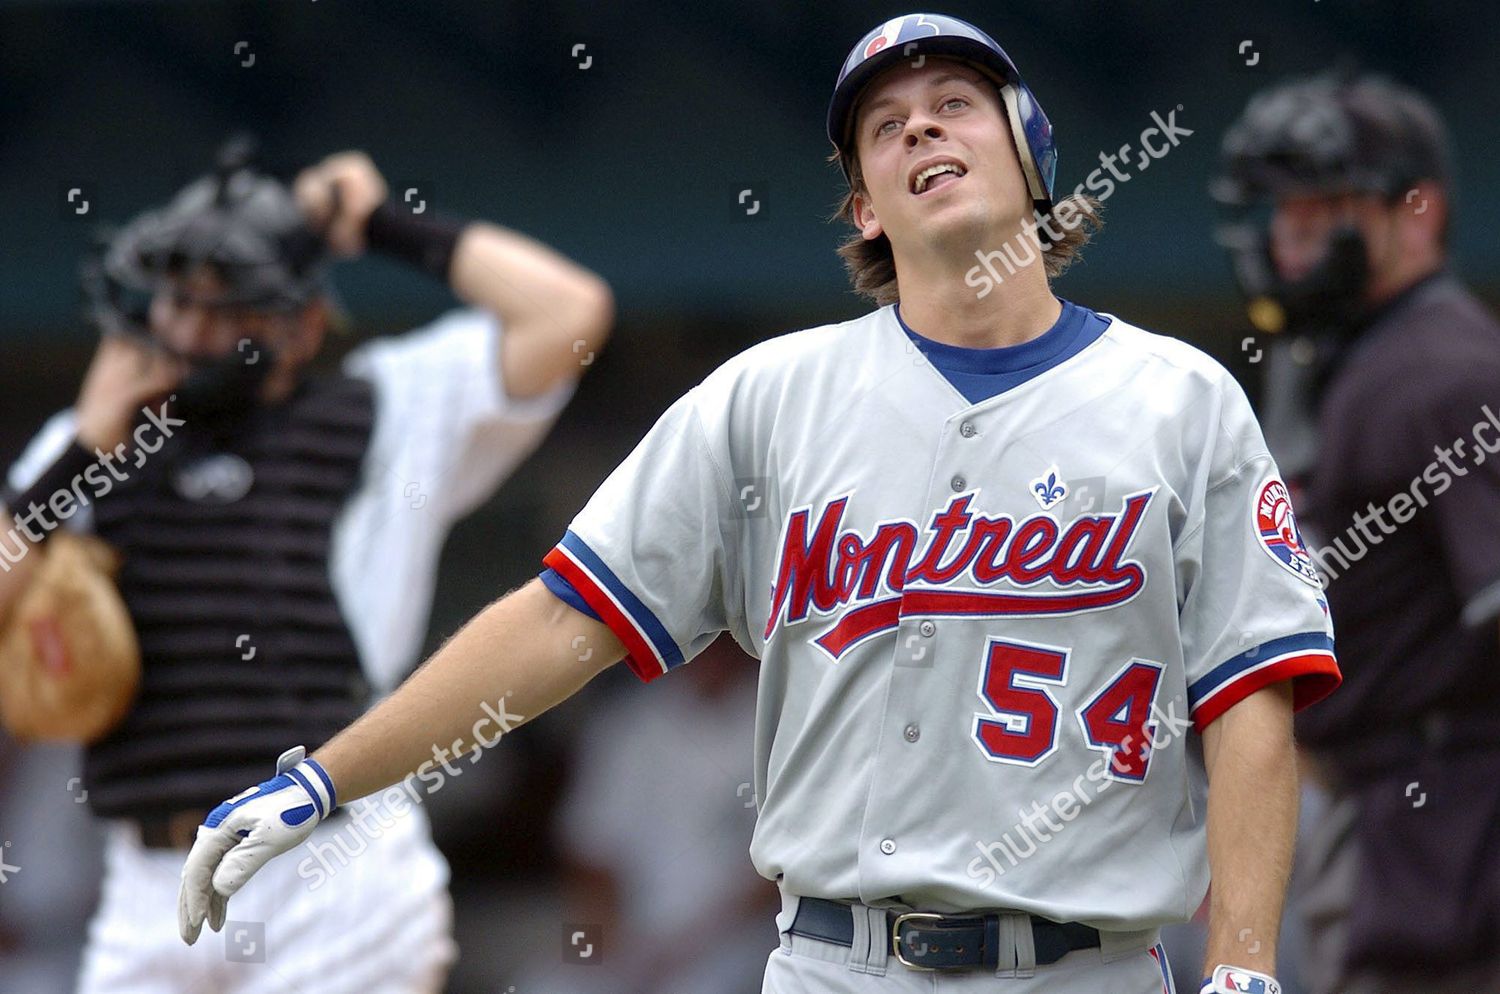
[1021,728]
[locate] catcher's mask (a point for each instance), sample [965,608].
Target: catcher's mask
[243,227]
[1329,136]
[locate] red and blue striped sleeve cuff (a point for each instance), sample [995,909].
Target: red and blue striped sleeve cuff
[563,591]
[651,650]
[1306,659]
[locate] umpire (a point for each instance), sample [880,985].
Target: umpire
[280,545]
[1383,405]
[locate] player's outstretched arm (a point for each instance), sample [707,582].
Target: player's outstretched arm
[514,660]
[1252,825]
[528,650]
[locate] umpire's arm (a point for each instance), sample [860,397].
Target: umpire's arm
[1252,826]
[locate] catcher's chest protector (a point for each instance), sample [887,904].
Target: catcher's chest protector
[226,577]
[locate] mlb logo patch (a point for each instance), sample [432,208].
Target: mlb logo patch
[1276,527]
[1244,982]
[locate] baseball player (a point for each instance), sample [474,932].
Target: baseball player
[1384,383]
[1003,560]
[280,546]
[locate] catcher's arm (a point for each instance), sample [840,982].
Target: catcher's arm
[123,376]
[556,313]
[515,659]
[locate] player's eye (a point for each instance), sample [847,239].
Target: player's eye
[887,126]
[955,103]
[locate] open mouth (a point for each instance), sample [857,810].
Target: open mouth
[937,176]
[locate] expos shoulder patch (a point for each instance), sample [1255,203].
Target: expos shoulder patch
[1276,527]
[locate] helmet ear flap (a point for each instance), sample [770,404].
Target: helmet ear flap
[1041,198]
[1018,132]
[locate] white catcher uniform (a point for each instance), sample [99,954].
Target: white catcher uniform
[984,628]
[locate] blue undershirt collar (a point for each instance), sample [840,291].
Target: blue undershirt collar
[980,374]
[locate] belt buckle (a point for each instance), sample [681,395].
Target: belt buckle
[896,936]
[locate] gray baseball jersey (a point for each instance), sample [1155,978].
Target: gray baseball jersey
[984,628]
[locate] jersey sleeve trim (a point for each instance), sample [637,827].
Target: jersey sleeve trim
[1306,658]
[563,591]
[651,649]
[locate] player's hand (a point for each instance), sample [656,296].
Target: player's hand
[239,836]
[125,375]
[338,196]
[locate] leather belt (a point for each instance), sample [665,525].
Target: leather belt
[927,941]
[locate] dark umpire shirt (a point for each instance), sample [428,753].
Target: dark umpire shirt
[1409,427]
[1414,590]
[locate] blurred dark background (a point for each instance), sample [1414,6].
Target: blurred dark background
[623,134]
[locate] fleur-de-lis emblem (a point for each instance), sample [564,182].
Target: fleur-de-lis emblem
[1048,490]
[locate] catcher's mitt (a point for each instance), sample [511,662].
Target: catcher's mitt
[69,659]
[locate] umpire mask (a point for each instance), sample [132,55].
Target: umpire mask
[1329,297]
[1329,136]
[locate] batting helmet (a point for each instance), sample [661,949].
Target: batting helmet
[914,36]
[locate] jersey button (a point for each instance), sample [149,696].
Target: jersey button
[958,483]
[928,629]
[911,733]
[887,846]
[967,429]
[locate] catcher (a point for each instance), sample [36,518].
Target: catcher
[276,536]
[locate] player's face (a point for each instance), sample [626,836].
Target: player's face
[937,157]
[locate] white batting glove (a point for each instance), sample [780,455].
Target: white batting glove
[239,836]
[1237,980]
